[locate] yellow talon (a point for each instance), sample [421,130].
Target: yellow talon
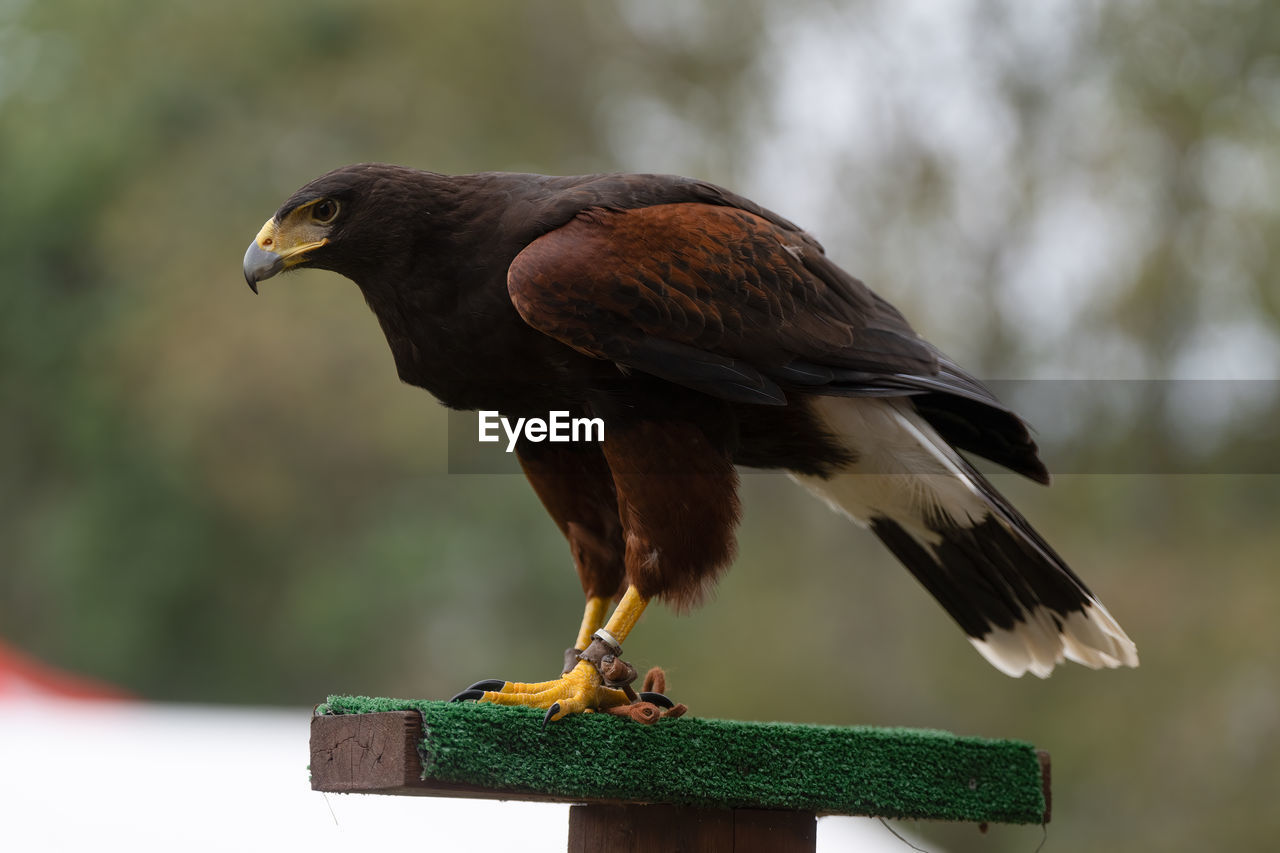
[581,689]
[578,691]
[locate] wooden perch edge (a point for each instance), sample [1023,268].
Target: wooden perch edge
[489,752]
[378,754]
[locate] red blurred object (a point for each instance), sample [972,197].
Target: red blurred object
[24,677]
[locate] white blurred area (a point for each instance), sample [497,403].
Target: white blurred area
[122,775]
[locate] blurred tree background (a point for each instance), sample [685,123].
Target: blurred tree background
[210,497]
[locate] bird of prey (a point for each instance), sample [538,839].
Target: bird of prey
[706,332]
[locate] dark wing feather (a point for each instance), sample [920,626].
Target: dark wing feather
[958,406]
[740,306]
[718,375]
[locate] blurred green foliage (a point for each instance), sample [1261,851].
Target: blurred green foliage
[210,497]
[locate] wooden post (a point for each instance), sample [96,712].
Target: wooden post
[671,829]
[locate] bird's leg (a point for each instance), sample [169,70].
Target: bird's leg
[598,681]
[592,621]
[626,614]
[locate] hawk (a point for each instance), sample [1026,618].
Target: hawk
[707,333]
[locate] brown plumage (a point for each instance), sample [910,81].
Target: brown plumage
[707,332]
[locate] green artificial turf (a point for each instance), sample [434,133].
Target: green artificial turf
[899,773]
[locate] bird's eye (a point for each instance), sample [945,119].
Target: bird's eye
[324,211]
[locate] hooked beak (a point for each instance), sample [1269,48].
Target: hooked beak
[271,252]
[260,264]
